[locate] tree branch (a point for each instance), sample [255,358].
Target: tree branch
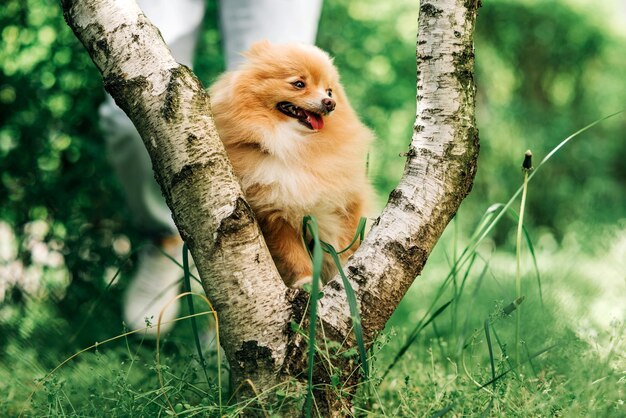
[439,172]
[171,111]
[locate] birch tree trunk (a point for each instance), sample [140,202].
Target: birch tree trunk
[171,111]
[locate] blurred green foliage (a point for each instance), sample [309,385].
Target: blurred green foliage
[51,152]
[542,73]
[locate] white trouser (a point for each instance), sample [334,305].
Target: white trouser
[242,22]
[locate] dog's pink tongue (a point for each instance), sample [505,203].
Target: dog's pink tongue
[315,120]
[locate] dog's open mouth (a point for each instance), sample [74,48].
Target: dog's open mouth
[307,118]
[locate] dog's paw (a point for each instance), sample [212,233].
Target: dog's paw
[299,283]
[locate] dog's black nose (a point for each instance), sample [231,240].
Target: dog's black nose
[329,104]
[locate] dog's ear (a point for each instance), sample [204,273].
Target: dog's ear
[257,49]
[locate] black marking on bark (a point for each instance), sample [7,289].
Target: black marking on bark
[358,274]
[299,300]
[171,101]
[464,67]
[473,5]
[431,111]
[252,357]
[429,10]
[395,197]
[470,162]
[191,139]
[409,255]
[187,171]
[103,46]
[241,217]
[334,284]
[429,155]
[376,312]
[97,48]
[295,357]
[125,90]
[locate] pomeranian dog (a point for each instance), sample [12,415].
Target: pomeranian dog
[298,148]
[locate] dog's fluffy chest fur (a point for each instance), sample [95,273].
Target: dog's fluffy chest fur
[293,177]
[287,185]
[294,190]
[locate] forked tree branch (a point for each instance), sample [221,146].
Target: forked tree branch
[171,111]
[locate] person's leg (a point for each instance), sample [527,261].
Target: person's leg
[155,281]
[179,23]
[131,162]
[244,22]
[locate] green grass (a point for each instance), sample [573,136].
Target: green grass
[583,375]
[578,376]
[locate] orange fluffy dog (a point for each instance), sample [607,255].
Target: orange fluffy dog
[297,147]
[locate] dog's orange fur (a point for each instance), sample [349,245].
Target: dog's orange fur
[288,170]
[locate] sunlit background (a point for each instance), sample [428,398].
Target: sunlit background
[544,70]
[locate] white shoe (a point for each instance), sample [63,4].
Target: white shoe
[156,283]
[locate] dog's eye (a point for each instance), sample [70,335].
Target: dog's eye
[330,92]
[298,84]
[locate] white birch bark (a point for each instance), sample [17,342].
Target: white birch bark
[438,174]
[171,111]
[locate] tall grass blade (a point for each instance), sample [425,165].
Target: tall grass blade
[359,234]
[310,223]
[531,248]
[194,325]
[529,242]
[493,365]
[518,256]
[464,330]
[501,346]
[354,310]
[458,296]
